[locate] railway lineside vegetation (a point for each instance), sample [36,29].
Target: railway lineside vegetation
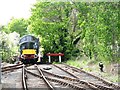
[8,46]
[76,29]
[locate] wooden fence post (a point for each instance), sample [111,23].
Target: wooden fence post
[49,58]
[59,58]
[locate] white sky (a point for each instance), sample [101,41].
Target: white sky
[14,8]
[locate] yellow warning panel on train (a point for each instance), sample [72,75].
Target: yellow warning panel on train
[29,51]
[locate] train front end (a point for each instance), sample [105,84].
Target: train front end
[29,49]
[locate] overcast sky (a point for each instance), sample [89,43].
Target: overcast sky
[14,8]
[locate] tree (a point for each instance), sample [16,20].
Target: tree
[52,25]
[17,25]
[8,45]
[90,27]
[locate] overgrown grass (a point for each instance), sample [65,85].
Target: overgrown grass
[76,63]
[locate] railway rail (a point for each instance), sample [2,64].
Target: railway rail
[28,80]
[13,67]
[73,78]
[91,79]
[44,78]
[101,79]
[60,80]
[24,77]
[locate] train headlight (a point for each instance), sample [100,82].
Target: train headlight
[22,56]
[35,56]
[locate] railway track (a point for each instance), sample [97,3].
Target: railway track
[60,76]
[44,78]
[24,78]
[11,68]
[58,81]
[86,77]
[32,81]
[67,82]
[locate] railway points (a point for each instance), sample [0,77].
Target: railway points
[59,76]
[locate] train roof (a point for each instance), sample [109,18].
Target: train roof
[28,38]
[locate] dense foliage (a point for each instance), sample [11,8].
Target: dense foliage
[8,46]
[51,22]
[9,38]
[68,26]
[17,25]
[74,28]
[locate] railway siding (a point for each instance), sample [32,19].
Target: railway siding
[53,77]
[87,77]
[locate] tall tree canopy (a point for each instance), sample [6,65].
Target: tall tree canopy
[73,28]
[50,21]
[68,26]
[17,25]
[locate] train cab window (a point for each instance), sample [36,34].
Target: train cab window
[23,46]
[29,42]
[31,45]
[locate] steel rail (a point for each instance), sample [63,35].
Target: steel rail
[44,78]
[11,66]
[102,87]
[59,81]
[104,81]
[72,79]
[24,83]
[91,85]
[67,84]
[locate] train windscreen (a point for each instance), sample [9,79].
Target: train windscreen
[28,38]
[29,45]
